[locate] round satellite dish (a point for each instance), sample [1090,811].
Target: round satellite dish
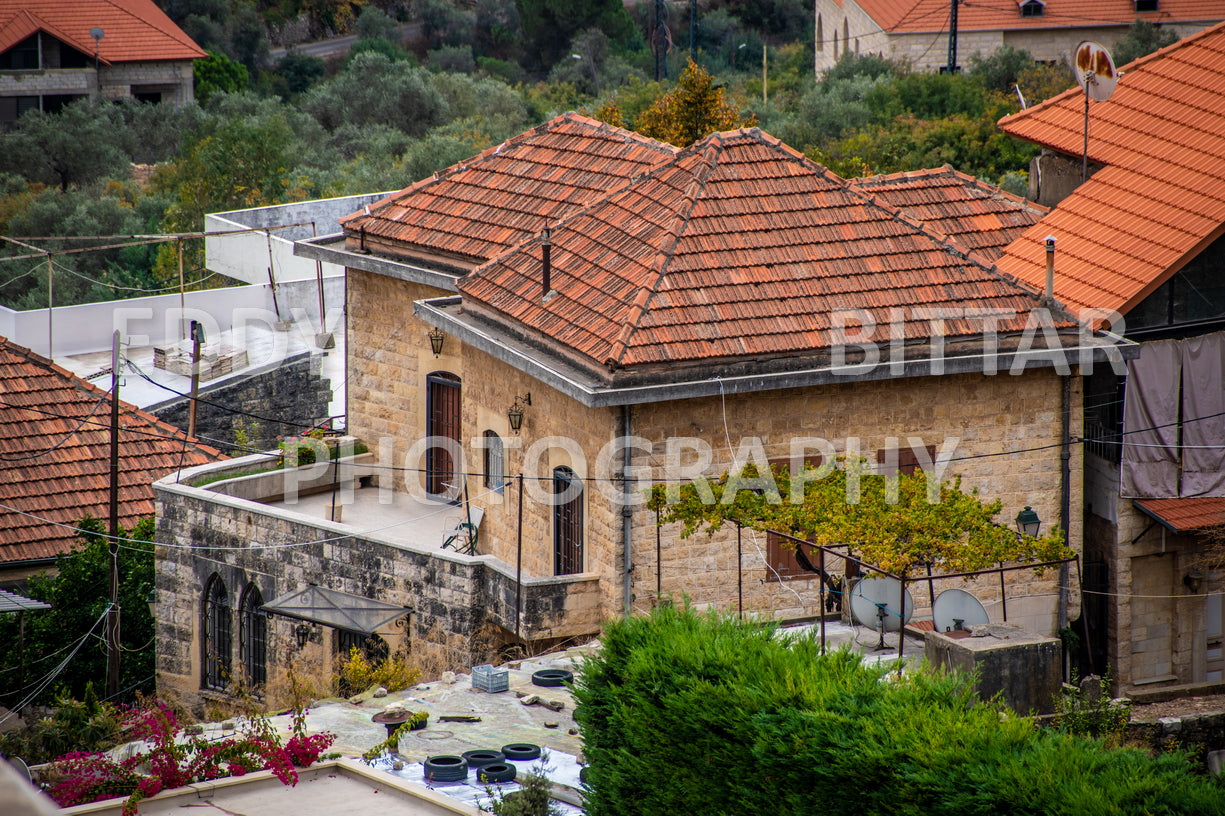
[22,768]
[1095,71]
[957,609]
[97,33]
[874,595]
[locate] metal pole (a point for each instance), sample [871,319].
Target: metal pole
[195,378]
[901,626]
[50,308]
[659,580]
[323,326]
[1003,594]
[953,38]
[272,278]
[763,73]
[182,297]
[519,567]
[739,575]
[1084,153]
[112,616]
[821,553]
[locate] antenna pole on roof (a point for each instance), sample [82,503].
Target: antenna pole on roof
[952,66]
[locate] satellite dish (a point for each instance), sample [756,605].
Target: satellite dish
[97,33]
[874,603]
[957,609]
[1095,71]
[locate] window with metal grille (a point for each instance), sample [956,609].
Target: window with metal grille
[1033,8]
[253,637]
[495,462]
[443,420]
[567,522]
[217,635]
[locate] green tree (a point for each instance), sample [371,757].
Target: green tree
[374,89]
[219,74]
[1000,70]
[300,72]
[695,108]
[78,594]
[1141,39]
[84,142]
[550,25]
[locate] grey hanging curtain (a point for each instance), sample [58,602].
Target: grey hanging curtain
[1203,415]
[1150,461]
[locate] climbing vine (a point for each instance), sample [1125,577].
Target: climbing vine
[896,523]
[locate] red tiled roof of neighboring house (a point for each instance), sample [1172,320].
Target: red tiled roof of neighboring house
[917,16]
[977,215]
[1158,200]
[1185,515]
[134,30]
[481,207]
[45,408]
[739,247]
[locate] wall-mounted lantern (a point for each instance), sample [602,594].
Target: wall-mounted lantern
[1028,522]
[436,338]
[303,633]
[515,412]
[1193,580]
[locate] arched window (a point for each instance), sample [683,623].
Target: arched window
[495,462]
[217,635]
[835,44]
[253,637]
[820,33]
[846,34]
[443,420]
[567,522]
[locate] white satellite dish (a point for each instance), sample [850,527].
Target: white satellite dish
[875,600]
[957,609]
[1095,71]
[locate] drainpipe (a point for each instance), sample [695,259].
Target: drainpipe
[1065,488]
[546,261]
[1050,267]
[627,511]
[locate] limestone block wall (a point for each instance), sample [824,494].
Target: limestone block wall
[454,598]
[292,390]
[174,78]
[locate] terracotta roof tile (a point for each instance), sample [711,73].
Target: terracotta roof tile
[40,405]
[915,16]
[738,246]
[1185,515]
[979,216]
[1158,198]
[481,207]
[136,30]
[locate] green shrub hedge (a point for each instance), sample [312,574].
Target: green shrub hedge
[696,714]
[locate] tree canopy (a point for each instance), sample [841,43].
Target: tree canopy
[695,108]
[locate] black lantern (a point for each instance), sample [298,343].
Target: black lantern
[303,633]
[515,413]
[1028,522]
[152,599]
[436,338]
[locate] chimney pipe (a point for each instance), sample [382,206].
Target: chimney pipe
[546,249]
[1050,267]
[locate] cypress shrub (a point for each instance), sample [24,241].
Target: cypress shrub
[702,714]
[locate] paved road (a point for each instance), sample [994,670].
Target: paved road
[339,46]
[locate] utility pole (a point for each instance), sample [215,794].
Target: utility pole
[112,617]
[197,337]
[952,66]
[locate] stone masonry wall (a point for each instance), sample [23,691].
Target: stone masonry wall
[292,391]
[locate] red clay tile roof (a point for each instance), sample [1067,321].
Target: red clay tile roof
[1185,515]
[739,247]
[977,215]
[40,405]
[915,16]
[135,30]
[1160,198]
[479,208]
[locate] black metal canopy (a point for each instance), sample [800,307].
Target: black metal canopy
[340,610]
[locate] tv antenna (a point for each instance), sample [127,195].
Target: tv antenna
[1097,77]
[880,603]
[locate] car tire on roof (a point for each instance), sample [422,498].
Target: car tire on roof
[446,768]
[521,751]
[552,677]
[482,757]
[497,772]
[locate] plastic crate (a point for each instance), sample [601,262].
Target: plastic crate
[487,678]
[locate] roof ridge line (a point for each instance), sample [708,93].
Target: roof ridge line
[680,222]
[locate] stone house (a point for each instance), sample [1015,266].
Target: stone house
[52,52]
[516,318]
[1141,241]
[917,31]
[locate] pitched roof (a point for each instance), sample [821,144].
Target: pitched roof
[1185,515]
[45,408]
[135,30]
[1159,199]
[477,209]
[916,16]
[977,215]
[739,247]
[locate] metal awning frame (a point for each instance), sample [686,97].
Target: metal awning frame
[339,610]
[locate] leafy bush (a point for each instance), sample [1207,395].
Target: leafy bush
[358,673]
[701,714]
[74,725]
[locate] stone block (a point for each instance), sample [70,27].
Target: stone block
[1025,667]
